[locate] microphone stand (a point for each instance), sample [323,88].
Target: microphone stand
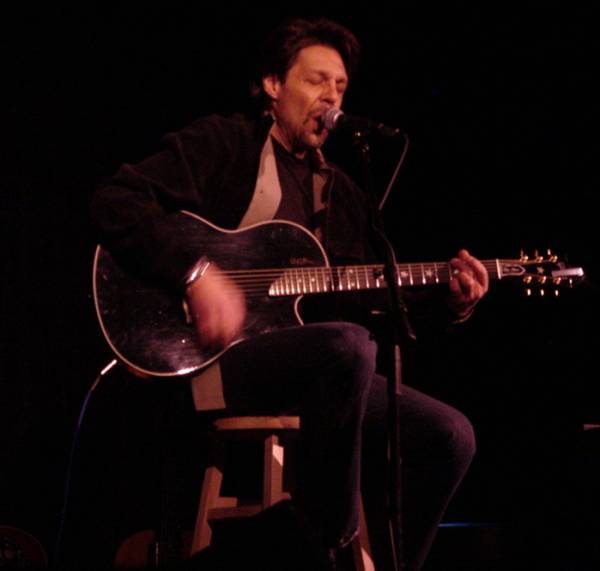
[398,329]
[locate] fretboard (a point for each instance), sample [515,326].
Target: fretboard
[300,281]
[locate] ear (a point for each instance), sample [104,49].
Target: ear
[272,86]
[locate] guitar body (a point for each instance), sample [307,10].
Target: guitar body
[146,326]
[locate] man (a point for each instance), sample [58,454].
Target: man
[241,171]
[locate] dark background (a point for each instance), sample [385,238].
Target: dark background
[501,111]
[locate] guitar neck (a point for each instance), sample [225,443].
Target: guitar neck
[307,280]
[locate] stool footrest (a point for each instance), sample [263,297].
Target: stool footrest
[226,502]
[239,511]
[213,506]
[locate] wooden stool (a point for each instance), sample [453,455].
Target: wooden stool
[214,506]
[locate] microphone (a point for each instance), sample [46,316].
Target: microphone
[335,119]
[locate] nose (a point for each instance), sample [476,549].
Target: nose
[331,94]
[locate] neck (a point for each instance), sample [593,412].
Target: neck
[285,143]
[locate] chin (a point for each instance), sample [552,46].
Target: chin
[315,141]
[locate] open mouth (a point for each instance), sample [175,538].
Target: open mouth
[319,126]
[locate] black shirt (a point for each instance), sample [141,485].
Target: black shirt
[295,177]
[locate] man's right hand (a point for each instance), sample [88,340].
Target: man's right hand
[217,307]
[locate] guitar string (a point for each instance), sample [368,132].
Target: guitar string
[421,273]
[322,279]
[490,264]
[415,269]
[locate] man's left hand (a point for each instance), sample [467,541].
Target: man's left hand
[468,284]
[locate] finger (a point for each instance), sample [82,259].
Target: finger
[467,264]
[231,326]
[481,274]
[476,267]
[207,331]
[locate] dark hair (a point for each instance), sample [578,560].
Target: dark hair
[279,51]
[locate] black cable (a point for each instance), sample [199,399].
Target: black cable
[95,384]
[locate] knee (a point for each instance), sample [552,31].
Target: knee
[353,353]
[459,439]
[353,346]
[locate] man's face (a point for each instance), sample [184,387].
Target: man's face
[316,81]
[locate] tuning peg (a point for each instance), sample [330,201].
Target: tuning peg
[528,292]
[523,257]
[551,257]
[542,292]
[527,279]
[542,279]
[537,257]
[556,293]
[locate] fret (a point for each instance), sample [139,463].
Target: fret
[407,274]
[323,280]
[326,279]
[298,280]
[423,276]
[294,282]
[379,277]
[366,276]
[429,273]
[329,280]
[323,284]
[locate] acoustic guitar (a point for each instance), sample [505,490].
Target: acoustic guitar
[275,264]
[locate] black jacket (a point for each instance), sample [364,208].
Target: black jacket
[210,168]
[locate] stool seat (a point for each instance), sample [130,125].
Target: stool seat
[214,506]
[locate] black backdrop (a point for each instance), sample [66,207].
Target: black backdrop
[501,112]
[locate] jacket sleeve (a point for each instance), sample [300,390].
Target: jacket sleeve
[136,213]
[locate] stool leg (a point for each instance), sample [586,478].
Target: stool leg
[273,472]
[211,488]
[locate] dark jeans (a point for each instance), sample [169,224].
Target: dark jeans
[326,374]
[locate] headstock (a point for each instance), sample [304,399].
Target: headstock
[541,273]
